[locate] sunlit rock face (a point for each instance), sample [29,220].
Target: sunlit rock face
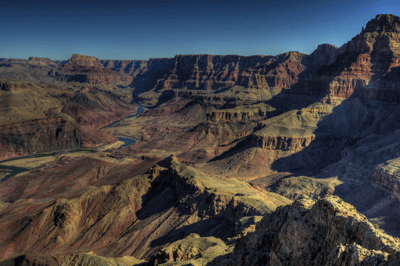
[368,65]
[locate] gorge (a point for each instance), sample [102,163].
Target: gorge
[290,159]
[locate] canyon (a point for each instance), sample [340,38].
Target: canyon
[290,159]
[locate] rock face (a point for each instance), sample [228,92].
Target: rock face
[88,69]
[367,65]
[130,67]
[37,136]
[84,60]
[40,61]
[388,181]
[241,114]
[282,143]
[326,232]
[209,72]
[324,55]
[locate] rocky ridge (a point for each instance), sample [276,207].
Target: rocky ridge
[123,212]
[327,232]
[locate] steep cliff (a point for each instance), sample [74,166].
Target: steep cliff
[367,65]
[213,72]
[254,112]
[324,55]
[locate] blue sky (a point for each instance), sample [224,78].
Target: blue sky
[150,29]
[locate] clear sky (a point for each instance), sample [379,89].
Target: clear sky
[123,29]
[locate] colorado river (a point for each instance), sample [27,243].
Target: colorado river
[127,141]
[12,170]
[139,111]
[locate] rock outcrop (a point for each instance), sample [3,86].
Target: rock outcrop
[193,249]
[282,142]
[88,69]
[366,66]
[324,55]
[388,180]
[130,67]
[36,136]
[326,232]
[41,61]
[241,114]
[84,60]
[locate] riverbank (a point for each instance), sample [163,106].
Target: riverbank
[13,166]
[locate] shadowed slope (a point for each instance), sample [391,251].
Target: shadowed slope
[134,217]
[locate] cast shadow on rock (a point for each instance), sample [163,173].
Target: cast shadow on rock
[215,226]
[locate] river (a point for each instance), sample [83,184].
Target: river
[139,111]
[16,170]
[127,141]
